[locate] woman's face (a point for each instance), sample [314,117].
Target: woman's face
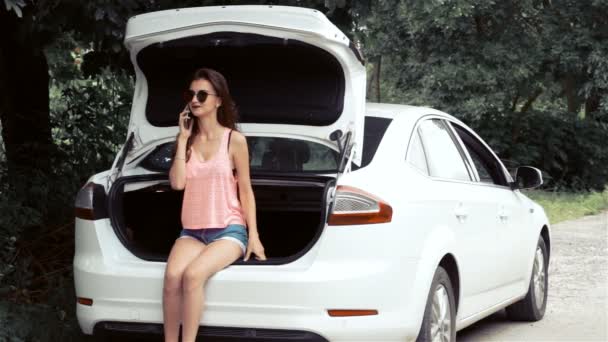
[210,104]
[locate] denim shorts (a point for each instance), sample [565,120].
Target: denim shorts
[233,232]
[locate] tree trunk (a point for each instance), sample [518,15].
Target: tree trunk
[377,78]
[371,81]
[24,110]
[568,85]
[518,117]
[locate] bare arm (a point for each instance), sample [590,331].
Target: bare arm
[177,174]
[240,157]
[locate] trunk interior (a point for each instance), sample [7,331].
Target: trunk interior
[273,80]
[146,215]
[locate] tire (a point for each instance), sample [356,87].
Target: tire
[431,330]
[532,307]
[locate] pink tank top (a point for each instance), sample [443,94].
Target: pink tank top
[210,195]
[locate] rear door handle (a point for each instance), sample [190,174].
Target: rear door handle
[503,215]
[461,213]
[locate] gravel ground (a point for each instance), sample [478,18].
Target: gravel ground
[577,306]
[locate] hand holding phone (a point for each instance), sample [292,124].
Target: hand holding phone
[188,116]
[186,120]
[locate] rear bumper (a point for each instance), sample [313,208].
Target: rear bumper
[290,299]
[109,329]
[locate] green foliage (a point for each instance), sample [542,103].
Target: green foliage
[562,206]
[568,149]
[89,116]
[54,320]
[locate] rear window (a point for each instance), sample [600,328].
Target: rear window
[272,154]
[266,154]
[275,154]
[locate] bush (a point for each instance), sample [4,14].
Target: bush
[89,117]
[567,149]
[54,320]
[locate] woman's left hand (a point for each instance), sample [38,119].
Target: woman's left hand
[255,246]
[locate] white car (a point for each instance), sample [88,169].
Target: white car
[381,222]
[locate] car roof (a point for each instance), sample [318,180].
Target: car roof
[401,111]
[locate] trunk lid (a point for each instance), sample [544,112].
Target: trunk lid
[290,71]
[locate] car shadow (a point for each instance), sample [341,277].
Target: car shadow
[483,329]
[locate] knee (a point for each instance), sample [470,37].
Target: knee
[193,278]
[172,282]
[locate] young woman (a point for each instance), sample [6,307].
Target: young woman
[211,159]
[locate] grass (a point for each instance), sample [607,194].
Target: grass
[562,206]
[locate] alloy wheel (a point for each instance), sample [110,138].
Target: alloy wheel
[441,320]
[539,278]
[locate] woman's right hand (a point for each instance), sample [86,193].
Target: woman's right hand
[185,124]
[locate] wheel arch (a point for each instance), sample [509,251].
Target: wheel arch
[449,264]
[544,233]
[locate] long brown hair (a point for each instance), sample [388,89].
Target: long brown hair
[227,114]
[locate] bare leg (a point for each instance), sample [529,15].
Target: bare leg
[184,250]
[216,256]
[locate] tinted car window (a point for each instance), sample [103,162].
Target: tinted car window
[416,155]
[444,158]
[290,155]
[373,131]
[487,166]
[266,154]
[485,175]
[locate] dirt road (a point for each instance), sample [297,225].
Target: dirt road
[577,307]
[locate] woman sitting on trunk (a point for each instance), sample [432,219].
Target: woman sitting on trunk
[209,155]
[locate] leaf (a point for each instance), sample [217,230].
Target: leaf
[18,11]
[15,5]
[99,13]
[116,47]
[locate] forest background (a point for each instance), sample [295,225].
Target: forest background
[530,76]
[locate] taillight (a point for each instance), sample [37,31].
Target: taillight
[355,206]
[90,202]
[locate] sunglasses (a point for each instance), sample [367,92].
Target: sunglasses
[201,95]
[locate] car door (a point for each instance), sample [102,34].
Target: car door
[504,207]
[459,204]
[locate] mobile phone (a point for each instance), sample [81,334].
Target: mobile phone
[188,121]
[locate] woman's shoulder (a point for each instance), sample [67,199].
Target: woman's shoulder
[237,137]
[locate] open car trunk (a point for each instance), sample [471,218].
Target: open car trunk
[289,70]
[291,213]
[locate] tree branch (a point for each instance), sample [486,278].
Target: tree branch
[514,105]
[531,100]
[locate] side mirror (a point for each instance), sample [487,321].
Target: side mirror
[527,177]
